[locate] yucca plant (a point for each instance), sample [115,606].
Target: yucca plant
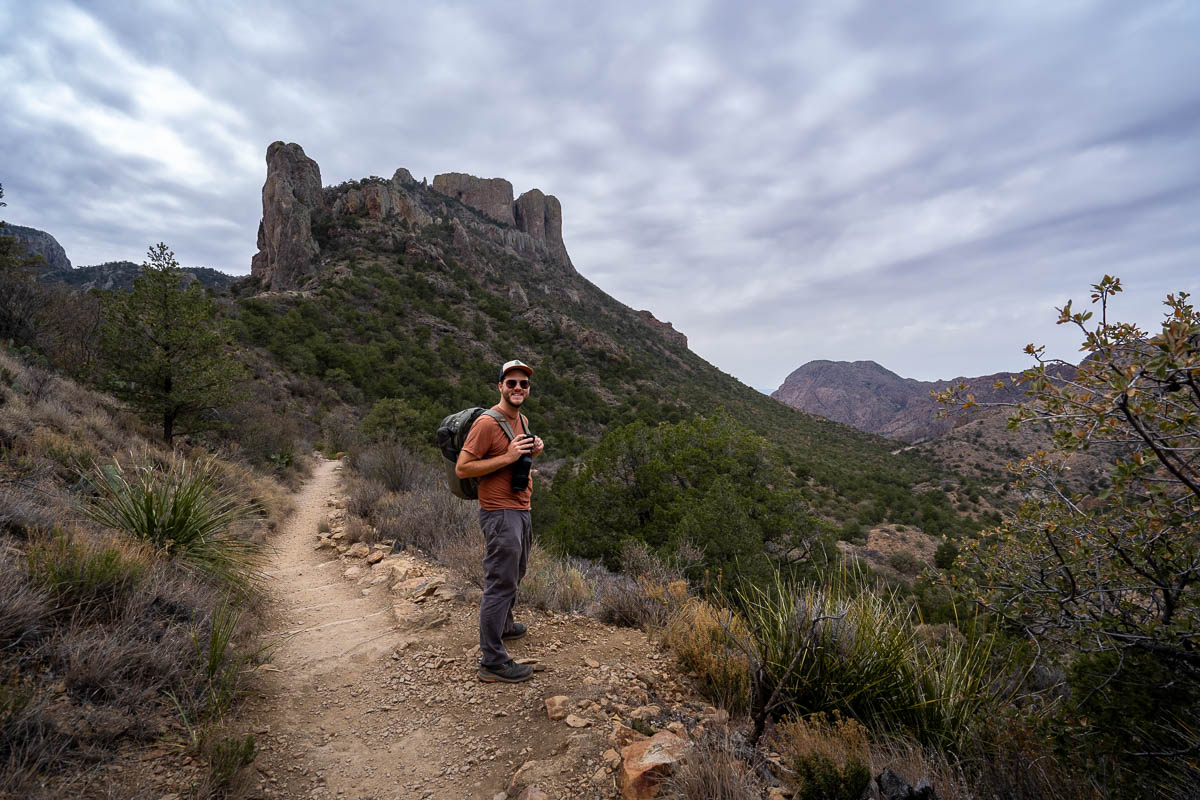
[185,513]
[841,647]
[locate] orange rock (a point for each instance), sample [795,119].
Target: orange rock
[646,763]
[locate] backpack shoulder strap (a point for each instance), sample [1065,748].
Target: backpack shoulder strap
[501,421]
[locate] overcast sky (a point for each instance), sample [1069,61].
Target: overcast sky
[913,183]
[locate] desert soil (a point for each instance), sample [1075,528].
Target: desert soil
[374,694]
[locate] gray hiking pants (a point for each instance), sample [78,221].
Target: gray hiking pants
[507,538]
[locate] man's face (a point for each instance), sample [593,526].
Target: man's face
[514,387]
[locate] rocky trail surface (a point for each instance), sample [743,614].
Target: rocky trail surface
[372,690]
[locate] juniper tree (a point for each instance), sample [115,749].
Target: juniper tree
[168,353]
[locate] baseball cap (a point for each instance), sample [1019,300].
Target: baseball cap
[514,364]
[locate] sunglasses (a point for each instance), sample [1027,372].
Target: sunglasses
[512,384]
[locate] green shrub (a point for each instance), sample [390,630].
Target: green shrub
[185,513]
[819,778]
[829,757]
[904,562]
[226,756]
[945,554]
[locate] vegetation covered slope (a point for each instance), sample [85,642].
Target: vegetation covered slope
[421,315]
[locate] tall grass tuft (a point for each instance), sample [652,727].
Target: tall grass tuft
[843,648]
[86,576]
[185,513]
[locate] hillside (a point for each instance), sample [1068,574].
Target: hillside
[394,288]
[120,274]
[56,266]
[876,400]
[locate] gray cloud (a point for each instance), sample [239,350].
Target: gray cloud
[917,184]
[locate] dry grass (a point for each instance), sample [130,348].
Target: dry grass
[699,635]
[555,584]
[713,770]
[96,631]
[842,742]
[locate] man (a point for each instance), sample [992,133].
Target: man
[488,454]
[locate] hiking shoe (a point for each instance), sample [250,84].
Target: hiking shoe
[508,672]
[515,632]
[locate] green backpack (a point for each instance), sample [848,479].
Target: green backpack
[452,434]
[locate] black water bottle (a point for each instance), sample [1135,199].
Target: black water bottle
[521,467]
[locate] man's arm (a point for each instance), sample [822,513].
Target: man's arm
[470,465]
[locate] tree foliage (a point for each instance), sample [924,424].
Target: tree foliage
[1111,581]
[708,480]
[167,352]
[1119,571]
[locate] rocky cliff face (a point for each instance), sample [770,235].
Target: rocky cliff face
[301,220]
[873,399]
[39,243]
[293,200]
[491,196]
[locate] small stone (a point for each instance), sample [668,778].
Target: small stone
[359,550]
[375,557]
[600,776]
[578,722]
[645,712]
[612,759]
[556,707]
[591,662]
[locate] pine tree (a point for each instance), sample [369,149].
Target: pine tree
[168,354]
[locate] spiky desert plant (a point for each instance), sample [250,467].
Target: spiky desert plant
[185,512]
[842,647]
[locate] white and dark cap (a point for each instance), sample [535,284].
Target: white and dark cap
[514,364]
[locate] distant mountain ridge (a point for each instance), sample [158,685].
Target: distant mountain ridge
[874,399]
[109,275]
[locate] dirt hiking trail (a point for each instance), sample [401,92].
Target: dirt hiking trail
[372,690]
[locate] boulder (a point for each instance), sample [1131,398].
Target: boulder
[645,764]
[292,199]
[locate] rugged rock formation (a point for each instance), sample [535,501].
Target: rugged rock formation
[39,243]
[540,216]
[490,196]
[873,399]
[292,201]
[665,328]
[300,217]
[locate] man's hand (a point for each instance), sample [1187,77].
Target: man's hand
[519,447]
[538,446]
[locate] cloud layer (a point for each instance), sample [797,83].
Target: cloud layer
[917,184]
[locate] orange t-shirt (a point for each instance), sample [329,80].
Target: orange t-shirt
[486,439]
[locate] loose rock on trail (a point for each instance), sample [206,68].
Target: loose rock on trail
[372,689]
